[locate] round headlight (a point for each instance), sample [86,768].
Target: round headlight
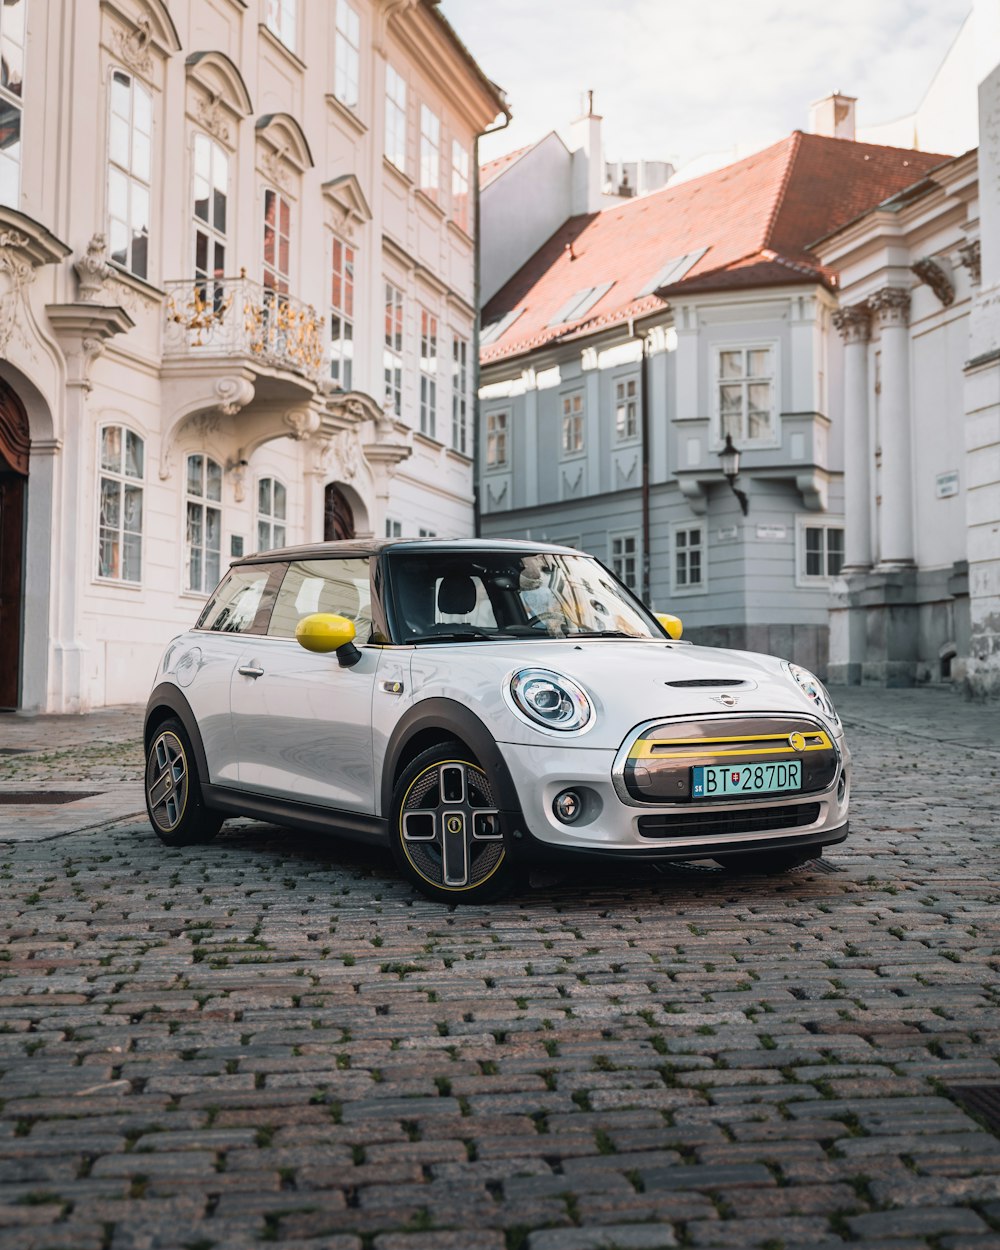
[550,700]
[813,689]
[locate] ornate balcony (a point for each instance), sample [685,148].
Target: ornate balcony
[239,319]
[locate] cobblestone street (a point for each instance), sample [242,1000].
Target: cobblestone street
[273,1039]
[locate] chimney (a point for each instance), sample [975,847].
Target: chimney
[833,116]
[588,162]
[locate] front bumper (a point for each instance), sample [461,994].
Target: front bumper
[615,823]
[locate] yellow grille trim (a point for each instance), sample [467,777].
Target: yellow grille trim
[645,748]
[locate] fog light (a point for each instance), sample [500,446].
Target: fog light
[567,806]
[841,787]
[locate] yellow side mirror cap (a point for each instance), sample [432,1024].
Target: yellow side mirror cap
[672,624]
[324,632]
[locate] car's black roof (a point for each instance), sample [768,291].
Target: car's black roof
[360,548]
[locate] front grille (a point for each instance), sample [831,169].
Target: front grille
[718,824]
[700,683]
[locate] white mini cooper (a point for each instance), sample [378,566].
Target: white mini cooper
[479,705]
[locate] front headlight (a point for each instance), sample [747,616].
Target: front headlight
[813,689]
[551,700]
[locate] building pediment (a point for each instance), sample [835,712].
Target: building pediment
[28,240]
[223,82]
[346,195]
[283,135]
[150,26]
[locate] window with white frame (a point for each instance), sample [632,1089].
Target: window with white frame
[130,156]
[272,513]
[625,559]
[119,538]
[342,315]
[393,348]
[689,558]
[210,194]
[460,184]
[572,423]
[497,424]
[277,241]
[460,394]
[11,99]
[395,118]
[821,550]
[203,514]
[347,55]
[746,394]
[626,409]
[428,373]
[280,18]
[424,533]
[430,151]
[393,529]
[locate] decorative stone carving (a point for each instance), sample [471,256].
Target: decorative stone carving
[233,394]
[213,117]
[937,278]
[350,454]
[853,323]
[134,48]
[273,165]
[890,306]
[16,275]
[321,457]
[386,421]
[92,270]
[238,471]
[301,422]
[971,256]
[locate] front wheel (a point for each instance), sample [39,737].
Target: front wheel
[765,863]
[173,794]
[446,830]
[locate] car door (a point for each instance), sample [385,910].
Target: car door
[301,721]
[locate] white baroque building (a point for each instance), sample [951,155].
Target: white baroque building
[237,307]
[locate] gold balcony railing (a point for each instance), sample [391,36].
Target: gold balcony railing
[239,317]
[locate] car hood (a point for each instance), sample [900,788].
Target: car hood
[628,682]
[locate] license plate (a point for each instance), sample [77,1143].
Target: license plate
[717,781]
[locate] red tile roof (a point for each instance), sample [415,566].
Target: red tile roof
[754,218]
[493,169]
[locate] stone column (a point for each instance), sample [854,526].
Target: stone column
[890,309]
[854,324]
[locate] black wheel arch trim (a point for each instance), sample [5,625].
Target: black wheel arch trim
[456,721]
[167,695]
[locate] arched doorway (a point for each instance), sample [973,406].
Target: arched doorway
[15,445]
[338,515]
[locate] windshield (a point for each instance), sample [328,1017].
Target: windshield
[459,596]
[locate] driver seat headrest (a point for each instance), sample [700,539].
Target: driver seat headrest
[457,594]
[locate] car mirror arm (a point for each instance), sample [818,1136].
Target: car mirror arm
[348,655]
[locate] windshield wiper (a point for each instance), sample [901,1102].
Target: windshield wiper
[459,635]
[602,633]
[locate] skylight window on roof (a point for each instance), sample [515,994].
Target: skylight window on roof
[673,271]
[497,329]
[580,304]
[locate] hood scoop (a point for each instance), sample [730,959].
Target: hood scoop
[708,683]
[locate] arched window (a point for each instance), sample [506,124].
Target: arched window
[271,513]
[130,165]
[204,523]
[119,539]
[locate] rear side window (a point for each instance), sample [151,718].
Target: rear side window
[342,587]
[242,604]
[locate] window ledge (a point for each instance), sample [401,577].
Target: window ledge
[279,45]
[113,583]
[463,235]
[347,114]
[430,203]
[688,592]
[428,441]
[400,175]
[567,457]
[140,285]
[462,457]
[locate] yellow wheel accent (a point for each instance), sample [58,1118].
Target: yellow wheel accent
[450,842]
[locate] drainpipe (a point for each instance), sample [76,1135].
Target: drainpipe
[476,507]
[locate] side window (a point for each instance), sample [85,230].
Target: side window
[342,587]
[243,601]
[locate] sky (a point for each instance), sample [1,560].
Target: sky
[675,79]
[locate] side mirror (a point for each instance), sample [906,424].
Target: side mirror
[324,632]
[671,624]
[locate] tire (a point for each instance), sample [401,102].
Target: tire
[176,809]
[765,863]
[467,864]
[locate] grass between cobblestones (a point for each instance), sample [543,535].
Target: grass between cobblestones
[272,1040]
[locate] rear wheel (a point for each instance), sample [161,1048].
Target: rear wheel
[173,792]
[765,863]
[446,830]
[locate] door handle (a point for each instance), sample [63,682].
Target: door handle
[251,670]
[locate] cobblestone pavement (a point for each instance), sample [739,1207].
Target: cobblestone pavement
[271,1039]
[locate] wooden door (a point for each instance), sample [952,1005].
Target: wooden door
[14,451]
[338,517]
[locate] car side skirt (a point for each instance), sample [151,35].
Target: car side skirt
[309,817]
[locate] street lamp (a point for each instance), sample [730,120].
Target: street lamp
[729,458]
